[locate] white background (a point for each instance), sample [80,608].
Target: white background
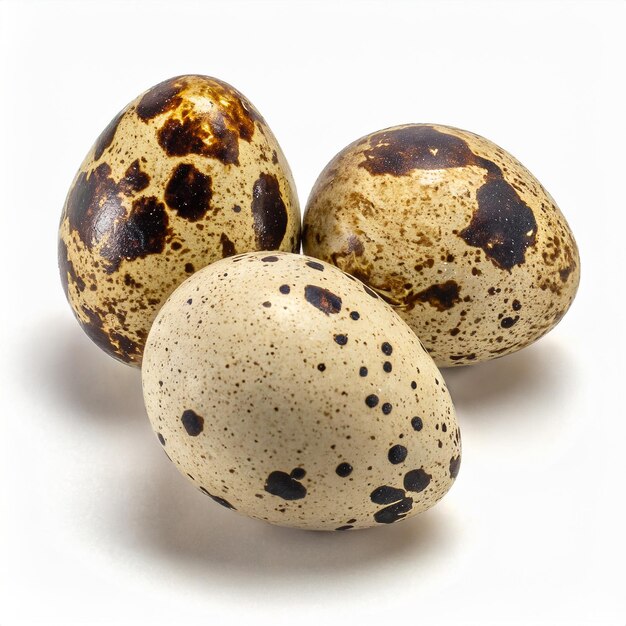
[97,527]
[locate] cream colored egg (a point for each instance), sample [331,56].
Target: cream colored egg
[290,392]
[186,174]
[452,231]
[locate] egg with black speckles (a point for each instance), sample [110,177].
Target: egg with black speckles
[186,174]
[290,392]
[455,233]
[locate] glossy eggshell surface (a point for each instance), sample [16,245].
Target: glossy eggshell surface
[290,392]
[186,174]
[452,231]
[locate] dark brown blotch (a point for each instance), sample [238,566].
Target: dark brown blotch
[189,136]
[93,327]
[96,211]
[504,226]
[214,132]
[93,205]
[399,151]
[126,347]
[442,296]
[67,270]
[143,232]
[106,136]
[160,98]
[269,212]
[134,179]
[322,299]
[228,247]
[189,192]
[114,343]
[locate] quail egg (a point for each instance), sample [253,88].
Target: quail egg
[186,174]
[291,392]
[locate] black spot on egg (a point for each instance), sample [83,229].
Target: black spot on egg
[416,480]
[343,469]
[386,348]
[386,494]
[370,292]
[371,400]
[455,464]
[397,454]
[416,423]
[192,422]
[284,486]
[394,512]
[315,265]
[225,503]
[507,322]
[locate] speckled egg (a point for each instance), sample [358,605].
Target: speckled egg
[452,231]
[186,174]
[290,392]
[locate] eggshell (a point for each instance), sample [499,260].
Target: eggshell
[186,174]
[290,392]
[451,230]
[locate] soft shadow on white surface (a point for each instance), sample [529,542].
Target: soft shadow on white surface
[539,373]
[65,364]
[179,526]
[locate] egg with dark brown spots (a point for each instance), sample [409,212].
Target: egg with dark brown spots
[288,391]
[188,173]
[453,232]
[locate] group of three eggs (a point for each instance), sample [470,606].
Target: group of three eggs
[304,390]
